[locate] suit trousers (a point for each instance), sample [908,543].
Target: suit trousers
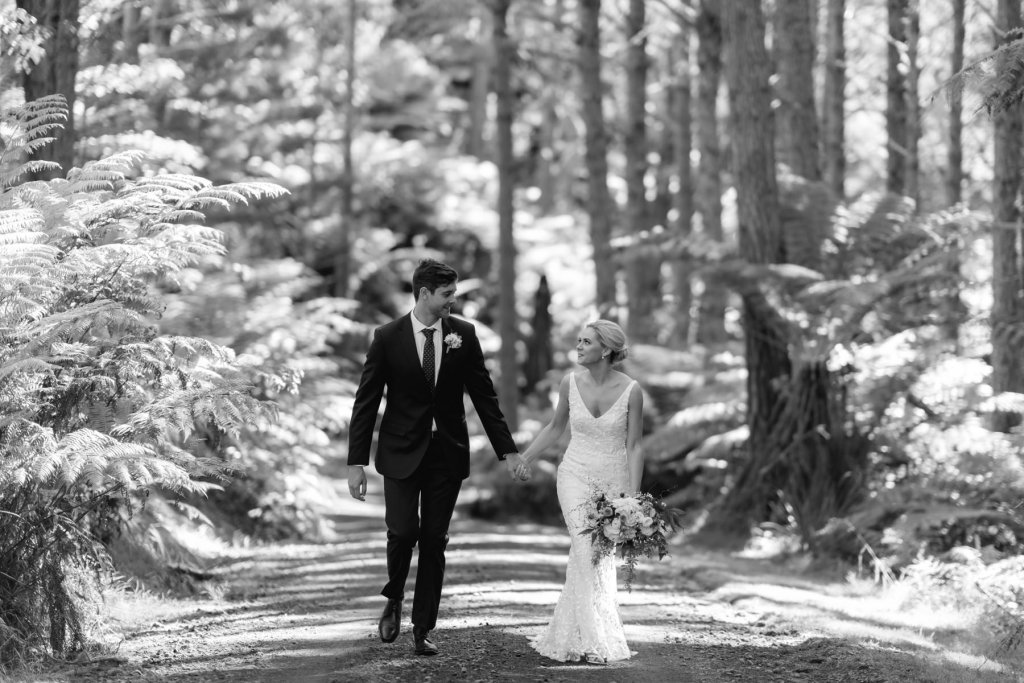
[419,509]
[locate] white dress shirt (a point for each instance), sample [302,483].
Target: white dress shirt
[421,340]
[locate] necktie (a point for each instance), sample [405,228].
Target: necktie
[428,356]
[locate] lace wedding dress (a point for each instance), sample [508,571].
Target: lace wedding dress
[586,618]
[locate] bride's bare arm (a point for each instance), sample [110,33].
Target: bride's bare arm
[634,431]
[554,429]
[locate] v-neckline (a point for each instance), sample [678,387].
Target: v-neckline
[579,395]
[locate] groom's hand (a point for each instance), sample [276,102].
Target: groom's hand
[357,482]
[517,467]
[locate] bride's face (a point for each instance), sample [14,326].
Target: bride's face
[588,350]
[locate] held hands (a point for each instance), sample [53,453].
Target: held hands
[518,467]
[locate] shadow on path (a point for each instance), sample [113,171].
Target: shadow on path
[307,612]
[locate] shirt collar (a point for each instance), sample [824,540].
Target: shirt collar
[417,325]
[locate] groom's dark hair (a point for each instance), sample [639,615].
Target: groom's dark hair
[432,274]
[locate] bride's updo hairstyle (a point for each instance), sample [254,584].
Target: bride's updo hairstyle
[611,337]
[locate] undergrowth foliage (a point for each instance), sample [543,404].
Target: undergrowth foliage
[96,406]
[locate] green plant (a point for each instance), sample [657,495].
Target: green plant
[97,405]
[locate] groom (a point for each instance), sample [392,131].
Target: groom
[425,360]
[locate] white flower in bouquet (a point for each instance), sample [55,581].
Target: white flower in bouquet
[647,526]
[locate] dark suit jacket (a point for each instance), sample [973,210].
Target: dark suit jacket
[392,364]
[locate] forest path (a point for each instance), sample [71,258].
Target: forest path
[308,612]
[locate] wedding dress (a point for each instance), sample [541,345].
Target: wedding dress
[586,618]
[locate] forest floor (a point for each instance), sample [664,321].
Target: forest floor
[308,612]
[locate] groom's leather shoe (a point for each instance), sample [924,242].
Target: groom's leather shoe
[390,621]
[423,644]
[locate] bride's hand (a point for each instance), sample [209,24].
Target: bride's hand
[525,471]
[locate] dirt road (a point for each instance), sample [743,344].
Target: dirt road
[296,613]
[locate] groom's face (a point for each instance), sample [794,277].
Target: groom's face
[439,302]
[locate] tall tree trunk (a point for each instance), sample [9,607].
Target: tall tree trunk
[599,205]
[954,165]
[681,125]
[708,190]
[545,176]
[508,387]
[161,23]
[1007,250]
[896,98]
[794,55]
[834,99]
[548,170]
[643,283]
[130,32]
[955,152]
[913,24]
[480,87]
[343,259]
[55,74]
[760,239]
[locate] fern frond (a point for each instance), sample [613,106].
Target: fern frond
[221,197]
[183,216]
[35,166]
[22,220]
[15,308]
[111,168]
[174,184]
[38,117]
[25,365]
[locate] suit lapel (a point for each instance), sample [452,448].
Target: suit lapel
[407,340]
[443,348]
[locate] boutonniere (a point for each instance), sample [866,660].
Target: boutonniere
[452,341]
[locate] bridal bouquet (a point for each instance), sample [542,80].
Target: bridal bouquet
[633,526]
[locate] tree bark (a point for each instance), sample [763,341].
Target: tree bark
[160,22]
[834,99]
[896,99]
[708,186]
[955,152]
[480,87]
[681,126]
[913,23]
[954,165]
[55,74]
[1007,250]
[599,206]
[643,282]
[508,385]
[797,118]
[760,240]
[343,258]
[547,174]
[130,32]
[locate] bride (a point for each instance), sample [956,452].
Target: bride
[604,411]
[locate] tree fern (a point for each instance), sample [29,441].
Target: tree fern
[96,403]
[998,76]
